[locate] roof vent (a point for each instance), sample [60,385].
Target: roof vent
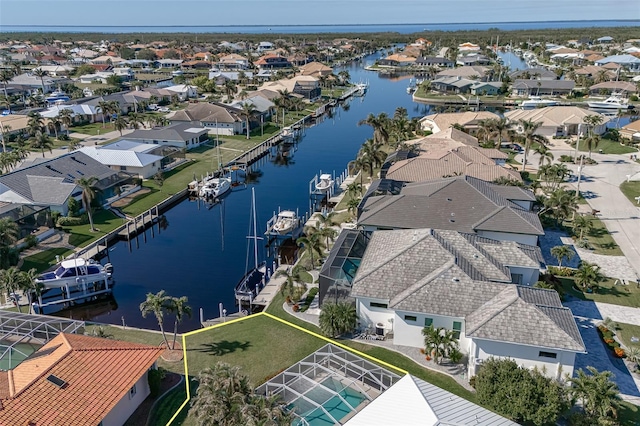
[449,199]
[452,220]
[455,279]
[56,381]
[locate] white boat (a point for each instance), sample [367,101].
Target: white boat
[537,102]
[215,187]
[72,282]
[286,222]
[57,97]
[362,88]
[249,286]
[325,182]
[615,101]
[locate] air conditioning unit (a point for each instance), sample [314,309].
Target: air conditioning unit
[478,361]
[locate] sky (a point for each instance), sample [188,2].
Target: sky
[306,12]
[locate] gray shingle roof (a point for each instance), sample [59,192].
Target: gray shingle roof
[179,132]
[51,182]
[461,203]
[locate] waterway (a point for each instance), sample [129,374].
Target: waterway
[202,253]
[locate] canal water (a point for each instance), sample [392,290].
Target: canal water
[202,252]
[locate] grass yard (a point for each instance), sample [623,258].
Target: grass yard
[626,331]
[43,260]
[607,146]
[602,241]
[104,221]
[631,190]
[628,295]
[93,129]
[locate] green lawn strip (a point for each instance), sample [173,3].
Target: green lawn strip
[167,408]
[43,260]
[104,221]
[93,129]
[631,190]
[626,331]
[607,146]
[602,241]
[628,414]
[628,295]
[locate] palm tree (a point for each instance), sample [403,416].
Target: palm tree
[599,394]
[42,142]
[379,123]
[88,194]
[135,120]
[54,124]
[10,282]
[35,123]
[354,189]
[372,155]
[230,89]
[105,108]
[5,77]
[179,307]
[6,131]
[293,285]
[120,124]
[562,252]
[529,135]
[30,286]
[248,110]
[156,304]
[592,121]
[325,224]
[545,154]
[9,232]
[338,318]
[588,276]
[561,203]
[38,72]
[592,142]
[582,223]
[312,243]
[439,342]
[66,118]
[352,205]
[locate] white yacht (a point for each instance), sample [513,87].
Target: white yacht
[215,187]
[537,102]
[325,182]
[286,222]
[615,101]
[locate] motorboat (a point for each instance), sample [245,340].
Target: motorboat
[538,102]
[325,182]
[361,89]
[71,282]
[286,221]
[57,97]
[215,187]
[615,101]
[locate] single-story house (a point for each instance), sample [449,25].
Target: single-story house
[304,85]
[629,62]
[486,88]
[67,371]
[557,120]
[181,135]
[233,61]
[263,106]
[168,63]
[631,130]
[469,120]
[140,159]
[183,91]
[461,203]
[452,84]
[52,182]
[316,69]
[474,72]
[533,73]
[473,59]
[434,61]
[608,87]
[216,118]
[411,279]
[397,60]
[35,84]
[542,87]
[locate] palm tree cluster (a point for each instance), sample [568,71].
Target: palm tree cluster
[160,304]
[9,233]
[338,318]
[598,394]
[588,276]
[13,280]
[225,397]
[293,286]
[439,342]
[495,129]
[592,140]
[318,238]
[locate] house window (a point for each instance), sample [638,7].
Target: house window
[378,305]
[410,318]
[516,278]
[428,322]
[543,354]
[457,328]
[123,168]
[132,392]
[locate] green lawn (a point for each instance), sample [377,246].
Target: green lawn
[602,241]
[626,331]
[631,190]
[609,147]
[628,295]
[43,260]
[93,129]
[104,222]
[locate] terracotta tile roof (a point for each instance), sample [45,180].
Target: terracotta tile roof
[98,373]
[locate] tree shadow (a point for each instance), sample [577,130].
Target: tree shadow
[224,347]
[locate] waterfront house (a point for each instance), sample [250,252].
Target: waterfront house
[52,182]
[468,120]
[461,203]
[629,62]
[556,120]
[316,69]
[233,61]
[263,107]
[452,84]
[468,47]
[183,91]
[34,84]
[140,159]
[304,85]
[608,87]
[215,117]
[434,61]
[79,380]
[265,46]
[537,73]
[272,61]
[536,87]
[474,72]
[397,60]
[168,63]
[411,279]
[181,135]
[483,88]
[631,130]
[473,59]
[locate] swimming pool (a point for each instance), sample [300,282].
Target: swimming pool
[16,355]
[335,406]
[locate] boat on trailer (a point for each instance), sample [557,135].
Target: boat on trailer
[72,282]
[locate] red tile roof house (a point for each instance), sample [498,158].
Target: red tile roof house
[77,380]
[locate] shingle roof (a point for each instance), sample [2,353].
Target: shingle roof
[461,203]
[119,157]
[207,112]
[51,182]
[554,116]
[98,373]
[179,132]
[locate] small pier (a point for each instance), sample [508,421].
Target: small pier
[139,223]
[320,198]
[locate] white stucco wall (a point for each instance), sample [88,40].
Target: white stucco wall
[409,333]
[370,316]
[523,203]
[525,356]
[531,240]
[529,275]
[127,405]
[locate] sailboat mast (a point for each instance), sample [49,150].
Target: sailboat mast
[255,230]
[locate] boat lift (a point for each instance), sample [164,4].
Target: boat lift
[319,198]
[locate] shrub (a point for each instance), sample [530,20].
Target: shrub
[562,271]
[296,307]
[74,206]
[54,217]
[72,221]
[422,351]
[619,352]
[31,241]
[155,377]
[455,356]
[566,158]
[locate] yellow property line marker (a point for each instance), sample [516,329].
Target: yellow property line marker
[297,327]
